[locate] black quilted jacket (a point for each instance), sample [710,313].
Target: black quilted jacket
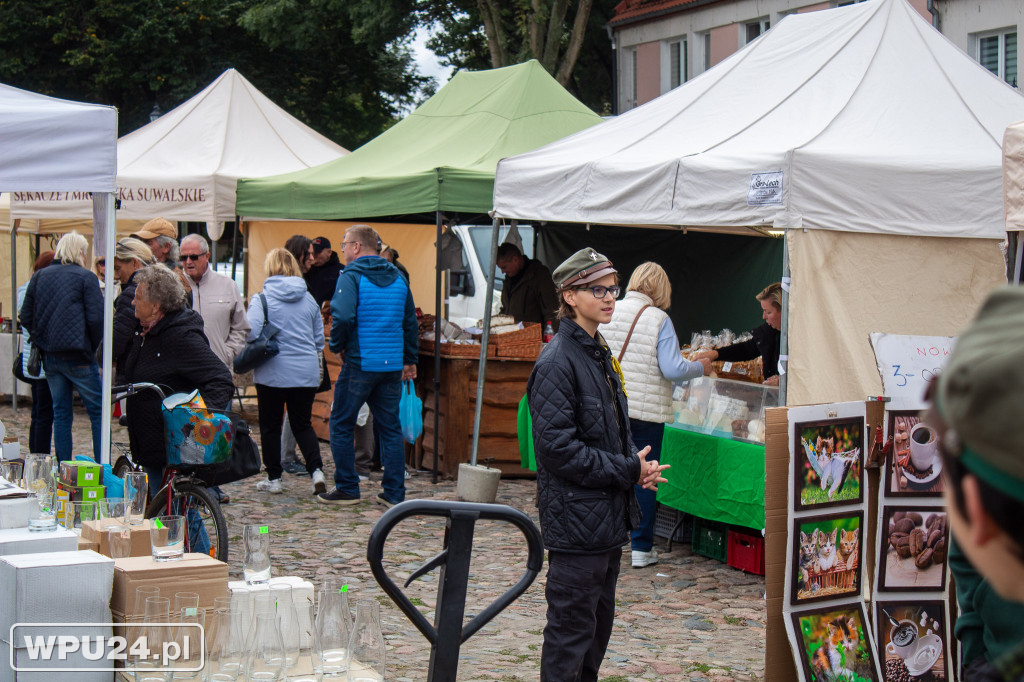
[63,309]
[586,465]
[175,354]
[124,323]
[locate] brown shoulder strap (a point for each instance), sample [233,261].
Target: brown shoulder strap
[631,328]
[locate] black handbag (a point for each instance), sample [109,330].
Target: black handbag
[325,376]
[33,364]
[260,349]
[244,460]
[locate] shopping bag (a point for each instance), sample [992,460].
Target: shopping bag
[195,435]
[410,412]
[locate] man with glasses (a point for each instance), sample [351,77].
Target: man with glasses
[374,332]
[528,294]
[216,298]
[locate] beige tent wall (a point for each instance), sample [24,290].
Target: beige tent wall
[414,243]
[26,259]
[847,285]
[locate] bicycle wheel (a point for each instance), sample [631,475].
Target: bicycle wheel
[122,466]
[207,531]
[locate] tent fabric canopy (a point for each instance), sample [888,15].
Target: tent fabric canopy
[184,165]
[866,117]
[55,145]
[1013,177]
[442,156]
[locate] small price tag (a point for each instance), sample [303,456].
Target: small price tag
[158,524]
[190,611]
[126,534]
[344,588]
[726,366]
[264,530]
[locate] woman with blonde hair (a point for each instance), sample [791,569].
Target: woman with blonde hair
[643,339]
[63,310]
[291,377]
[766,341]
[130,256]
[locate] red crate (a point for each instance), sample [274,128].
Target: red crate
[746,552]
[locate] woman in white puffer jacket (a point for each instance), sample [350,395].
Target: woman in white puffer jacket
[651,364]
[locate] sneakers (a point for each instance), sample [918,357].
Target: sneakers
[293,466]
[641,559]
[337,497]
[319,484]
[385,501]
[363,477]
[270,486]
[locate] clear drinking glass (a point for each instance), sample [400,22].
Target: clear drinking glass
[39,469]
[76,512]
[119,543]
[42,515]
[332,629]
[256,564]
[167,538]
[183,600]
[188,664]
[366,644]
[111,513]
[265,657]
[157,635]
[11,471]
[136,486]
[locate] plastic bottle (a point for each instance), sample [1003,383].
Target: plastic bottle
[549,331]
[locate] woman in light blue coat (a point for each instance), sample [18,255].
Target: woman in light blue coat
[291,377]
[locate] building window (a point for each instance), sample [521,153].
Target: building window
[705,51]
[628,85]
[997,52]
[752,30]
[678,63]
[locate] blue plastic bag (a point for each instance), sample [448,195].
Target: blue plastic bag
[113,484]
[410,412]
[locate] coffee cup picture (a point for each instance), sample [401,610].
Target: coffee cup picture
[910,639]
[903,639]
[913,465]
[924,451]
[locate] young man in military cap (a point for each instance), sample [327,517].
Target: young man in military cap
[587,465]
[976,408]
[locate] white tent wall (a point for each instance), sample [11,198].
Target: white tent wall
[847,285]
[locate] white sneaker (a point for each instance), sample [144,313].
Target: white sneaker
[319,484]
[363,477]
[641,559]
[270,486]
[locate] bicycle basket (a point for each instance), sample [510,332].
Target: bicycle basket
[195,435]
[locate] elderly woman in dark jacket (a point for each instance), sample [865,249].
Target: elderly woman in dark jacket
[587,465]
[130,256]
[169,348]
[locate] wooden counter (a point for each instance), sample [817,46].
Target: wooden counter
[504,388]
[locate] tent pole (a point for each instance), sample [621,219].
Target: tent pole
[784,323]
[234,249]
[14,304]
[437,340]
[1017,260]
[245,260]
[482,371]
[105,202]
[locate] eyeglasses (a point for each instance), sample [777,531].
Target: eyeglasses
[601,292]
[192,256]
[347,243]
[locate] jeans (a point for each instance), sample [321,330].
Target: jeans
[63,374]
[644,434]
[381,391]
[272,401]
[40,433]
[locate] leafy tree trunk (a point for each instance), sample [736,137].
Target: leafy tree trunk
[572,53]
[497,41]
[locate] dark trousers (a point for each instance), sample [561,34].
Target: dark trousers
[644,434]
[40,432]
[272,401]
[581,607]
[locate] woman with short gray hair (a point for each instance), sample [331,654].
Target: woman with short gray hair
[168,348]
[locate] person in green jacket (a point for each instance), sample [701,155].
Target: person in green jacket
[975,408]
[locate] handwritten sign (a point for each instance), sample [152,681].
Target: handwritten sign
[907,363]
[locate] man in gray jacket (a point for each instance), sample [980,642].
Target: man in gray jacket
[216,298]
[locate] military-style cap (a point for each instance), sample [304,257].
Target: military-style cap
[582,267]
[981,391]
[157,227]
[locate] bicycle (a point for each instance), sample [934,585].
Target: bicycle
[182,492]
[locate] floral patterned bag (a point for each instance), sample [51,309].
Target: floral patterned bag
[196,436]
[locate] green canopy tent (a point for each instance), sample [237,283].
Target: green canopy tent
[440,158]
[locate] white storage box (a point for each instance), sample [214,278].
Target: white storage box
[14,513]
[24,659]
[302,590]
[56,587]
[24,541]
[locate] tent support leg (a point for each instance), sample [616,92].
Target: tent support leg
[438,311]
[784,322]
[482,372]
[1017,258]
[234,250]
[14,314]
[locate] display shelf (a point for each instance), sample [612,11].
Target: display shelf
[723,408]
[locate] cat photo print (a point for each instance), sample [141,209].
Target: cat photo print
[828,464]
[834,645]
[826,561]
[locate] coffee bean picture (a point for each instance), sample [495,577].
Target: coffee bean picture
[915,540]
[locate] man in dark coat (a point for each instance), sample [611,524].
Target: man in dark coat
[323,275]
[528,294]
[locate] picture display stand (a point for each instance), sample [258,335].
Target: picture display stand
[824,598]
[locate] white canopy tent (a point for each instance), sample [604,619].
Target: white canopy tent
[185,165]
[53,145]
[861,125]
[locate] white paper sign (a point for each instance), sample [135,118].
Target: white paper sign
[907,363]
[765,189]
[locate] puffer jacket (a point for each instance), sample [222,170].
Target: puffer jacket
[766,343]
[294,312]
[586,459]
[124,324]
[63,310]
[175,354]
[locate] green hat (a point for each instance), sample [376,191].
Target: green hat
[981,393]
[582,267]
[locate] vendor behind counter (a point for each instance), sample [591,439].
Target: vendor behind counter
[767,339]
[528,294]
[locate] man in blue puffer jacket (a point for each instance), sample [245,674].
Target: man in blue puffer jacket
[374,332]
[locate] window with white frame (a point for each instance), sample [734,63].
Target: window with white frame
[997,52]
[678,62]
[705,51]
[629,73]
[752,30]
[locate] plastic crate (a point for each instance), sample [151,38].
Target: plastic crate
[666,518]
[710,538]
[746,551]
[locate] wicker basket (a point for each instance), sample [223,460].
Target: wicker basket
[528,334]
[520,350]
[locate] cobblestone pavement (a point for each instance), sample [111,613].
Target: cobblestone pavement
[686,618]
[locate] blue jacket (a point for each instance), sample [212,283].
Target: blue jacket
[293,311]
[374,317]
[63,310]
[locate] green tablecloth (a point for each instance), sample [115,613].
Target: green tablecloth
[713,478]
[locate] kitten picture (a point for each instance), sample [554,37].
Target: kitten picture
[825,557]
[835,645]
[827,462]
[826,550]
[837,651]
[848,548]
[808,558]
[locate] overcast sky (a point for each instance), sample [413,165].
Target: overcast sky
[426,60]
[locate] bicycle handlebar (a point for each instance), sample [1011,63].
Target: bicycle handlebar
[125,390]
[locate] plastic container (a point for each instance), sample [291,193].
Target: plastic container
[710,538]
[746,551]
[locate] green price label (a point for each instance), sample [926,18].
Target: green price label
[264,530]
[190,611]
[344,588]
[158,524]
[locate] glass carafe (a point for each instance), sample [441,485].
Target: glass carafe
[332,630]
[223,654]
[265,658]
[366,645]
[147,662]
[288,619]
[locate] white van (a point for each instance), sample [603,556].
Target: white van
[468,286]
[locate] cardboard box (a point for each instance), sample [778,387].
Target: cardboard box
[86,493]
[14,512]
[81,474]
[23,541]
[11,448]
[84,545]
[140,537]
[194,573]
[55,587]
